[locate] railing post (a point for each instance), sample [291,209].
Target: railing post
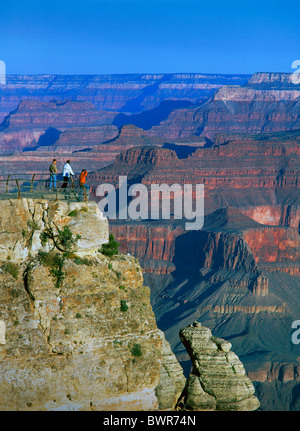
[31,186]
[19,192]
[7,183]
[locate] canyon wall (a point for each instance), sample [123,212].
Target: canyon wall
[238,275]
[268,104]
[35,123]
[129,93]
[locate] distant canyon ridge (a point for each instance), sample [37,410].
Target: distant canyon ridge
[91,119]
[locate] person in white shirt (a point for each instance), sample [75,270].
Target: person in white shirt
[67,172]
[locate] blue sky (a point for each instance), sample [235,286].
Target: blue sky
[148,36]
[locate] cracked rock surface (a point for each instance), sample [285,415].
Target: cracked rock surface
[217,380]
[89,342]
[73,348]
[23,220]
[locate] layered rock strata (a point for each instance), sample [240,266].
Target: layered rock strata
[73,348]
[240,174]
[35,123]
[217,380]
[127,92]
[172,380]
[267,103]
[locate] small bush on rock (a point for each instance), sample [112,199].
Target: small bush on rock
[111,248]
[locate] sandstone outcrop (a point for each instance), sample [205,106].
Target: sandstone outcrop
[73,348]
[77,331]
[172,380]
[217,380]
[23,220]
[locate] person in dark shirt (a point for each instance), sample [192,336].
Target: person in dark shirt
[53,174]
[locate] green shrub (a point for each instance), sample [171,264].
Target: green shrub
[124,306]
[66,239]
[73,213]
[136,350]
[63,241]
[111,248]
[12,268]
[44,237]
[24,233]
[48,259]
[55,262]
[82,261]
[118,275]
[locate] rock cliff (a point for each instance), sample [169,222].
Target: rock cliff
[77,330]
[218,380]
[267,103]
[35,123]
[248,175]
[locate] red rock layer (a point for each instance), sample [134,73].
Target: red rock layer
[272,371]
[153,245]
[23,127]
[267,104]
[274,244]
[239,174]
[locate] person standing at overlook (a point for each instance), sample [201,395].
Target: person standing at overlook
[53,173]
[82,185]
[67,173]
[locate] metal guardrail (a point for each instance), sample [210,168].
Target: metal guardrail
[38,185]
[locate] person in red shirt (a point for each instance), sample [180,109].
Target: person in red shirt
[82,179]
